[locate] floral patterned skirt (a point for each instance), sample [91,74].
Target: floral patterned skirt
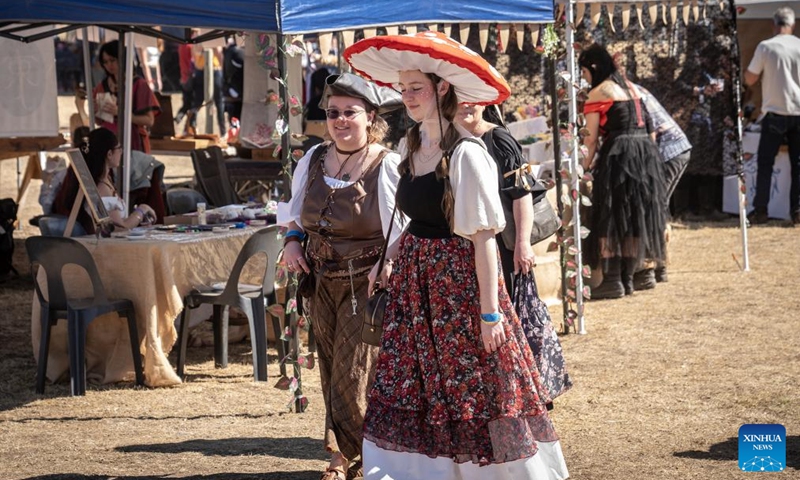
[437,392]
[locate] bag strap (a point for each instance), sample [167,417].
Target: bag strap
[386,241]
[449,153]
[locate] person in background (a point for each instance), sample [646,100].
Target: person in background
[777,63]
[507,154]
[145,105]
[198,97]
[233,84]
[169,61]
[186,66]
[147,173]
[102,153]
[676,151]
[312,110]
[628,218]
[342,199]
[516,256]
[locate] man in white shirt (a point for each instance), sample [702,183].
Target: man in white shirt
[777,62]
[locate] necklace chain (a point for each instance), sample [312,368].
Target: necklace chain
[423,158]
[346,175]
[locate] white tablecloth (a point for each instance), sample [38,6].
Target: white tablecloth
[155,273]
[779,189]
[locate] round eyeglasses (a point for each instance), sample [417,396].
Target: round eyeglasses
[334,113]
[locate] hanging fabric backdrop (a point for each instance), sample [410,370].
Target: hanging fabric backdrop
[28,102]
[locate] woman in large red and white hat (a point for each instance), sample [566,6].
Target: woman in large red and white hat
[456,392]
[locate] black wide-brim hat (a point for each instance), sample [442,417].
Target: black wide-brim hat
[383,99]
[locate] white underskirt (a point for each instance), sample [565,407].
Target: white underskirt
[380,464]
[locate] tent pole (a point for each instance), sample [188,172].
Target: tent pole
[88,80]
[736,76]
[124,120]
[575,166]
[285,156]
[208,90]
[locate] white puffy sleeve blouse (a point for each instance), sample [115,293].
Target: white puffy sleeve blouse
[473,176]
[387,186]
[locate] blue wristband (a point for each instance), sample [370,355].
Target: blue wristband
[491,318]
[295,233]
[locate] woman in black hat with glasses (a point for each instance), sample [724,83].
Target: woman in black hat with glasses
[342,201]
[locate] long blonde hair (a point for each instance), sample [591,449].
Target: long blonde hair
[446,107]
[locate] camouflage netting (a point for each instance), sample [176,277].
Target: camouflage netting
[669,60]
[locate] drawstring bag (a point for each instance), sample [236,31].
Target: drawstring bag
[541,336]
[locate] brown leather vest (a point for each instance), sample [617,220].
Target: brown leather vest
[342,223]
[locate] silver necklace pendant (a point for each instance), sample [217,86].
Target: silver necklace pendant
[346,177]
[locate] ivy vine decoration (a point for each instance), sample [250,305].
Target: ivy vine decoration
[572,199]
[268,49]
[551,42]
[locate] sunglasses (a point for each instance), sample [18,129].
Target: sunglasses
[333,113]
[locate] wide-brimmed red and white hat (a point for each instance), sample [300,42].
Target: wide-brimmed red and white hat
[382,58]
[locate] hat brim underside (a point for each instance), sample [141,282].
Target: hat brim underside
[475,81]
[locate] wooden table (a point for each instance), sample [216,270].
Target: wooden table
[155,273]
[18,147]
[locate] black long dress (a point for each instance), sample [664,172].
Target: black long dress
[508,156]
[628,217]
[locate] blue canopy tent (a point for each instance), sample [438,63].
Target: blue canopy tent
[299,16]
[23,21]
[255,15]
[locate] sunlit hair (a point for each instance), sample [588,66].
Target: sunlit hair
[378,129]
[783,17]
[447,108]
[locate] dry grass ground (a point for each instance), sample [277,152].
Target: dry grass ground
[663,380]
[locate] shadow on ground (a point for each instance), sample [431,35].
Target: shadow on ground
[728,451]
[301,448]
[300,475]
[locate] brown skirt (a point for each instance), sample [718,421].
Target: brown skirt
[346,364]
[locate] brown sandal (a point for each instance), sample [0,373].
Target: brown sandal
[356,471]
[333,474]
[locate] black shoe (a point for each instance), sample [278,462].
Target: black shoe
[796,218]
[612,285]
[758,217]
[608,290]
[661,274]
[626,274]
[645,279]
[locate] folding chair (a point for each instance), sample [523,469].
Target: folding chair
[251,299]
[212,176]
[53,254]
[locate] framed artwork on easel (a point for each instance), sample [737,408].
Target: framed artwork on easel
[88,190]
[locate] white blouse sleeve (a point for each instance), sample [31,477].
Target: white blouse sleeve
[290,211]
[473,176]
[387,188]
